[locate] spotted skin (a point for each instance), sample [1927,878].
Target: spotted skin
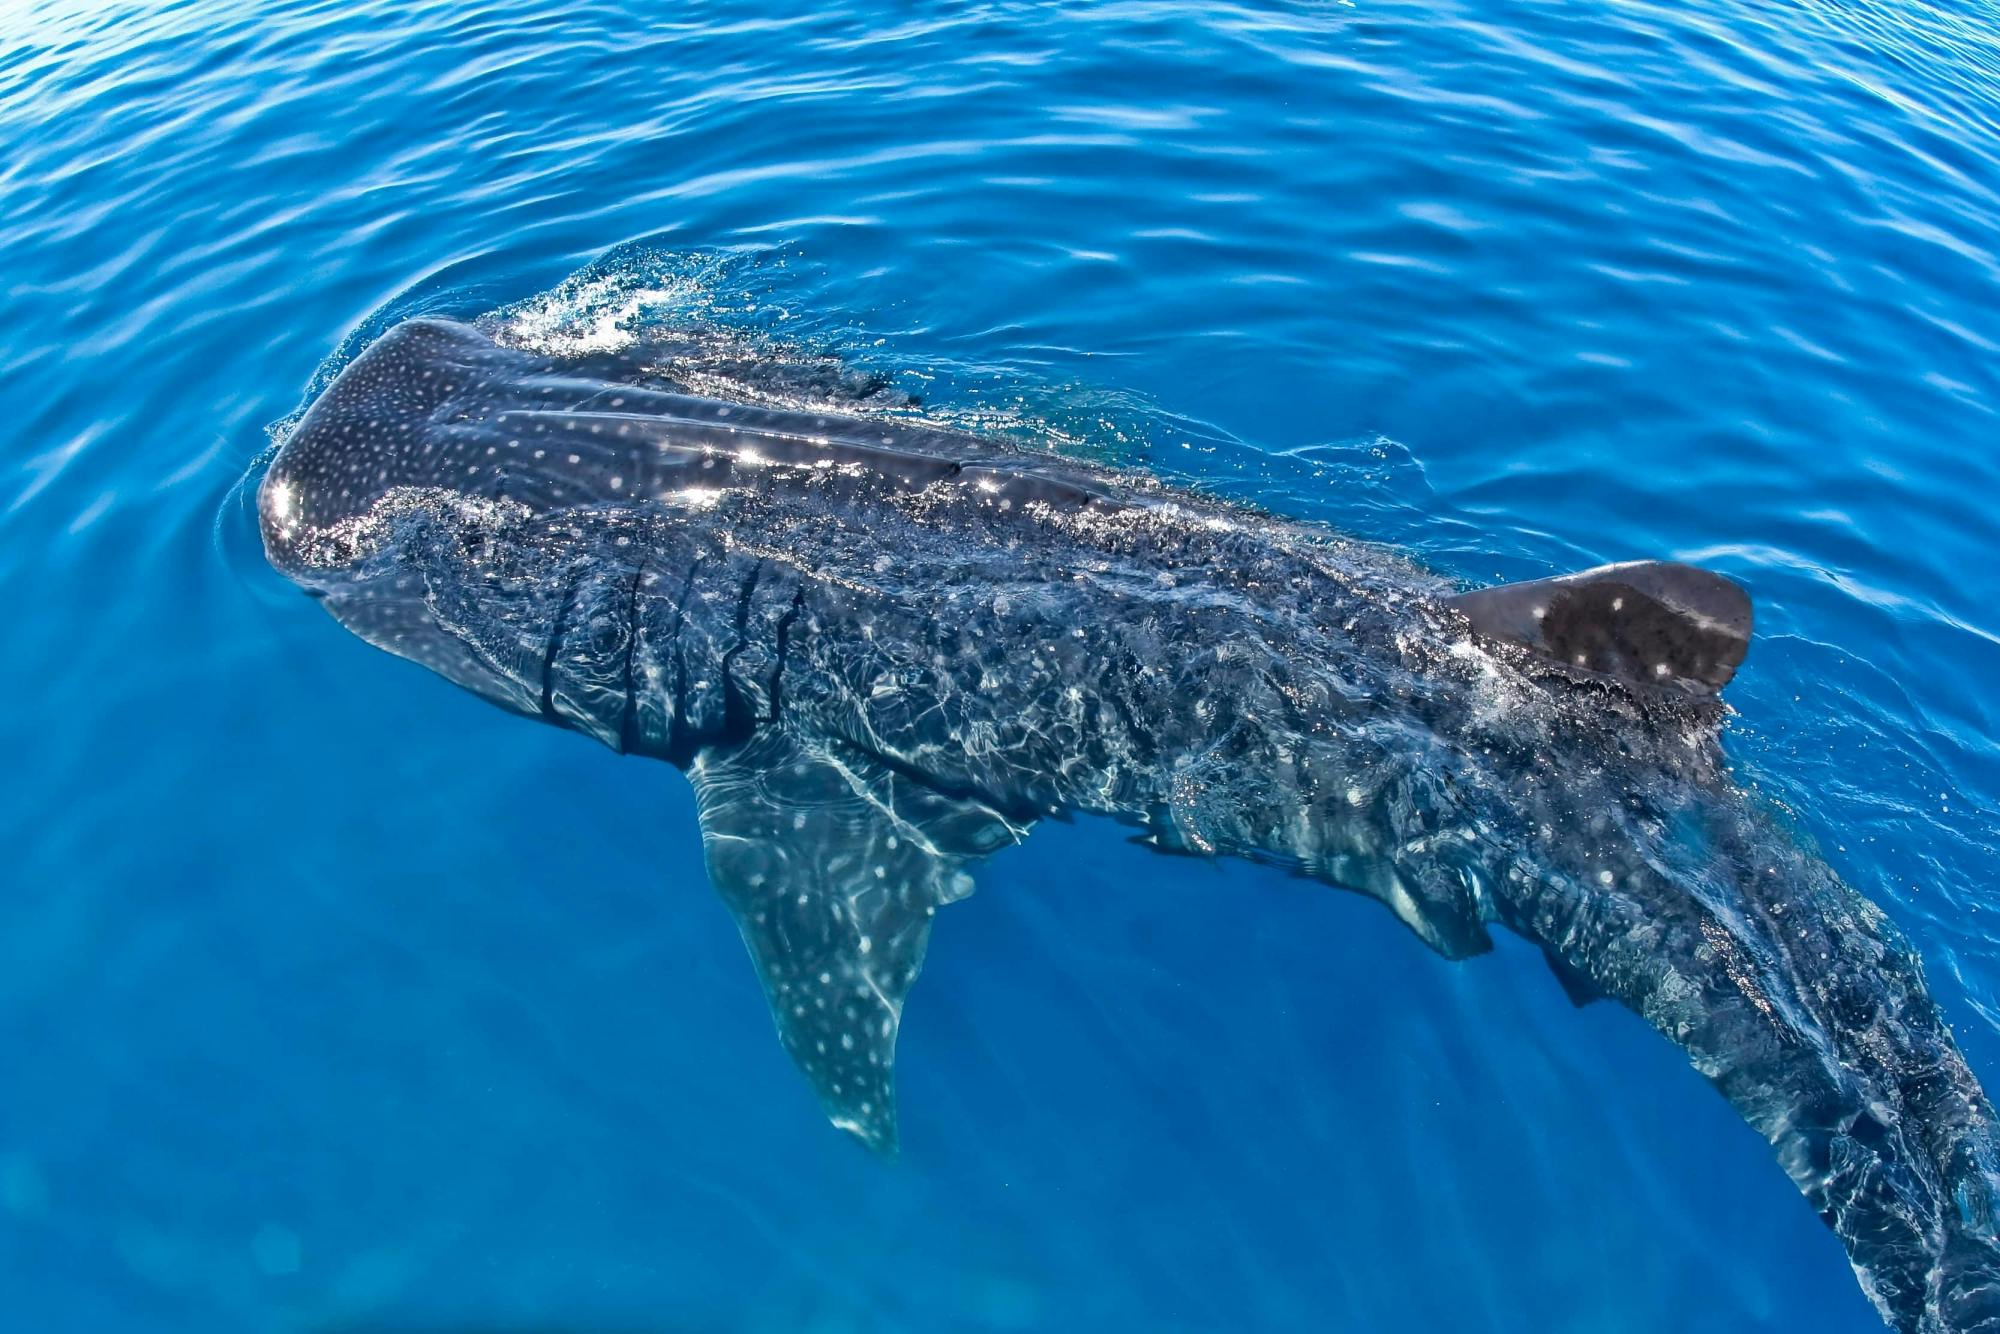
[882,651]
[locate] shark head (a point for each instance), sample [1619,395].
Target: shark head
[467,504]
[373,433]
[409,495]
[438,410]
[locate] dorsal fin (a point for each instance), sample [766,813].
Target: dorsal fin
[1659,622]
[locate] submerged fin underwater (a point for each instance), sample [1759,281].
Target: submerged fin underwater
[1205,668]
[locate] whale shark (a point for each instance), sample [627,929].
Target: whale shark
[883,650]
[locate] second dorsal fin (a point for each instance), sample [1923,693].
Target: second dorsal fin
[1659,622]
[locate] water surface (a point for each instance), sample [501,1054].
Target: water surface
[331,997]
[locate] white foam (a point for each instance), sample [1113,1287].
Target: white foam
[605,311]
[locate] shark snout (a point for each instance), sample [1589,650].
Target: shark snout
[277,512]
[280,518]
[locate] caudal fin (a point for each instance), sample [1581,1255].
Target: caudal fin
[1808,1011]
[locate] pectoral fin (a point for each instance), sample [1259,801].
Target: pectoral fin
[833,865]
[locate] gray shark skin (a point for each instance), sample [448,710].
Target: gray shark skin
[882,651]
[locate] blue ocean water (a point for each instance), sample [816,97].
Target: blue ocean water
[332,998]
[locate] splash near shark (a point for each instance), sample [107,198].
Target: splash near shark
[882,651]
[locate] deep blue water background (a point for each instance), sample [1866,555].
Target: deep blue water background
[331,997]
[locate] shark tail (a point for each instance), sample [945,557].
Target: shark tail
[1807,1009]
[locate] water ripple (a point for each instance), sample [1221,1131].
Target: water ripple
[1512,284]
